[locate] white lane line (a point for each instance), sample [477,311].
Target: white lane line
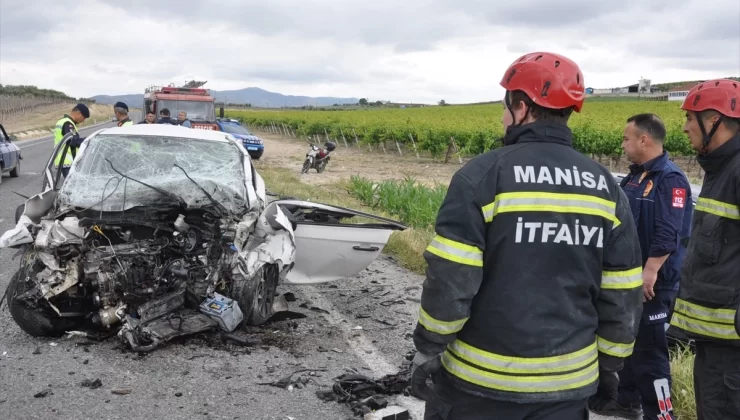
[363,349]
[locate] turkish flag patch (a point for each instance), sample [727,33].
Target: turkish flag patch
[678,197]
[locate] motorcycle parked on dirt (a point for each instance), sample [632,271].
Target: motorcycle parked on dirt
[317,158]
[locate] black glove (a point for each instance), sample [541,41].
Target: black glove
[419,387]
[737,321]
[607,392]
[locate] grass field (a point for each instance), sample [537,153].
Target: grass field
[475,128]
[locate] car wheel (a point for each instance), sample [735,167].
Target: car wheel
[37,322]
[256,295]
[16,172]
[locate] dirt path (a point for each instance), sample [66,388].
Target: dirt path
[289,153]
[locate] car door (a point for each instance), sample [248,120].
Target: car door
[328,248]
[4,157]
[53,175]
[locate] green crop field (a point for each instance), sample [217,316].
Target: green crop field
[475,128]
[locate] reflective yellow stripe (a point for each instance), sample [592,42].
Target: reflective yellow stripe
[707,205]
[703,328]
[58,138]
[614,349]
[456,251]
[440,327]
[512,383]
[718,316]
[551,202]
[628,279]
[496,362]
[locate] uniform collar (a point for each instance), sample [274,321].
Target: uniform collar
[716,160]
[123,121]
[544,132]
[653,165]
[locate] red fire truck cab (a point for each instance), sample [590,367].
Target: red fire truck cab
[196,102]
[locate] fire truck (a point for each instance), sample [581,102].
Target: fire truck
[191,98]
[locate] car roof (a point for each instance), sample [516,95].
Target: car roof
[167,130]
[228,121]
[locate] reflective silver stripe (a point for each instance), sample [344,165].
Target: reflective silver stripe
[708,205]
[440,327]
[719,316]
[614,349]
[547,383]
[456,251]
[628,279]
[555,202]
[721,331]
[553,364]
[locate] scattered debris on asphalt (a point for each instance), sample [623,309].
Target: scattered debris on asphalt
[43,393]
[91,384]
[120,391]
[389,413]
[288,382]
[364,395]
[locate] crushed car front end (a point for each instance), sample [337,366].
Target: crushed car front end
[151,236]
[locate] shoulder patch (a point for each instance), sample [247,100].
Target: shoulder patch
[678,197]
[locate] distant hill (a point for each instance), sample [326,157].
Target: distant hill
[252,95]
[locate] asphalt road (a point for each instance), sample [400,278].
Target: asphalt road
[363,323]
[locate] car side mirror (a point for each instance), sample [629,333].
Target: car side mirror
[12,138]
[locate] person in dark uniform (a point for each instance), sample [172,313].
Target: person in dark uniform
[709,294]
[149,118]
[165,117]
[660,198]
[534,285]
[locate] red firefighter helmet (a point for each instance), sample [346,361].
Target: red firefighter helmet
[721,95]
[550,80]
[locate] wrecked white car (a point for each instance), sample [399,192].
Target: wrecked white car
[160,231]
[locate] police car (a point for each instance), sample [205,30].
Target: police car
[695,189]
[254,145]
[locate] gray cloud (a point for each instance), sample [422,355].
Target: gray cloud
[381,46]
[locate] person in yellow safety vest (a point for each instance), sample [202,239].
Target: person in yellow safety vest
[709,290]
[68,123]
[121,111]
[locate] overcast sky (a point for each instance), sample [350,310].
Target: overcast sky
[400,50]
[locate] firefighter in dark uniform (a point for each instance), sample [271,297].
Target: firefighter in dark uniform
[709,294]
[660,198]
[534,282]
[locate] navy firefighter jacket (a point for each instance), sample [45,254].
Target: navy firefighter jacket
[660,197]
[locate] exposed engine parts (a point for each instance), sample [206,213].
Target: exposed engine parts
[145,276]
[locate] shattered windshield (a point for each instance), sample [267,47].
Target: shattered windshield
[218,167]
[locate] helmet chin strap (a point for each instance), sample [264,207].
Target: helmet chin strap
[706,138]
[507,101]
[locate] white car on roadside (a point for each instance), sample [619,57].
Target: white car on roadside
[160,231]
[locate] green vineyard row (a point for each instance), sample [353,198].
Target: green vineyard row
[597,129]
